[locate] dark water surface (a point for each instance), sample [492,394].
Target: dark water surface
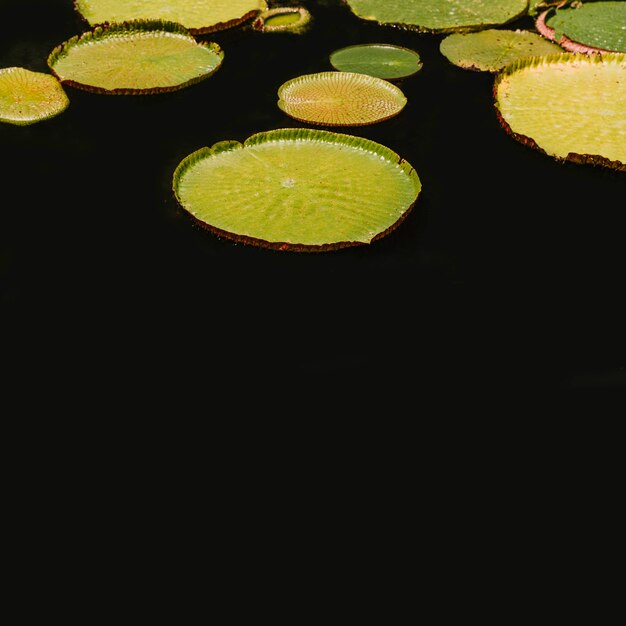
[508,273]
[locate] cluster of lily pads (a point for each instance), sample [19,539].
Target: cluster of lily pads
[264,192]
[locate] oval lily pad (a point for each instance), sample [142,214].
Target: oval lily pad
[281,19]
[377,59]
[139,57]
[440,16]
[586,26]
[27,97]
[198,16]
[570,106]
[340,99]
[492,49]
[303,190]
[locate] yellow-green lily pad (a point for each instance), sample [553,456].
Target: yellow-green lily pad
[198,16]
[492,49]
[302,190]
[139,57]
[571,106]
[340,99]
[27,97]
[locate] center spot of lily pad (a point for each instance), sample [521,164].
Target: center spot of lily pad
[288,182]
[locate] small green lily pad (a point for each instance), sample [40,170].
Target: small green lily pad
[571,106]
[139,57]
[377,59]
[302,190]
[27,97]
[340,99]
[198,16]
[490,50]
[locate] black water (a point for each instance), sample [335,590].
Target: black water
[508,274]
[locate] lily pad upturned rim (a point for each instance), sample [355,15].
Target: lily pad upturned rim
[333,76]
[565,42]
[194,30]
[298,135]
[49,107]
[582,159]
[128,28]
[259,22]
[403,50]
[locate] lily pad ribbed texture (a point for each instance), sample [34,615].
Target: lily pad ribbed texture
[570,106]
[340,99]
[139,57]
[298,189]
[199,16]
[27,97]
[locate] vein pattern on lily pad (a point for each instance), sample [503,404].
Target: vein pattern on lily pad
[303,190]
[139,57]
[340,99]
[199,16]
[570,106]
[27,97]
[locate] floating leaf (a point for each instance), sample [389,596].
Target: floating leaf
[280,19]
[139,57]
[340,99]
[377,59]
[198,16]
[440,15]
[27,97]
[586,27]
[570,106]
[490,50]
[297,189]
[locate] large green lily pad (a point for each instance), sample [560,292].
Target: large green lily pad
[198,16]
[340,99]
[303,190]
[492,49]
[139,57]
[570,106]
[377,59]
[440,16]
[586,26]
[27,97]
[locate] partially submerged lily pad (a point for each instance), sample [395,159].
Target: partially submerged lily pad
[281,19]
[139,57]
[586,27]
[303,190]
[27,97]
[377,59]
[340,99]
[570,106]
[492,49]
[439,16]
[198,16]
